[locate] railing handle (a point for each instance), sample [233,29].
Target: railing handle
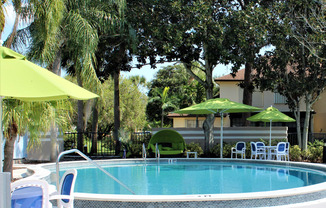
[90,161]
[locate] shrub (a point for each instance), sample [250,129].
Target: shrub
[194,147]
[215,151]
[295,153]
[316,151]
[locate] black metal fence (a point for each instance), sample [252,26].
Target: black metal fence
[103,143]
[293,137]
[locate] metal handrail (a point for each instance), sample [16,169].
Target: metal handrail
[157,152]
[144,152]
[90,161]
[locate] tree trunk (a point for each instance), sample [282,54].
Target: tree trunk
[208,127]
[247,92]
[56,69]
[162,118]
[94,129]
[297,116]
[116,76]
[80,120]
[9,148]
[54,149]
[14,31]
[306,123]
[208,124]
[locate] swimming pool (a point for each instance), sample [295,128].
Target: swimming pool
[221,188]
[194,177]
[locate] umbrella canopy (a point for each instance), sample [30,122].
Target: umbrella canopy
[26,81]
[271,114]
[218,105]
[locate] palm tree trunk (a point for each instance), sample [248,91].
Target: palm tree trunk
[54,150]
[14,31]
[56,69]
[116,76]
[9,147]
[94,129]
[80,119]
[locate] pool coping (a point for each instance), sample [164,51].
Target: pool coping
[40,171]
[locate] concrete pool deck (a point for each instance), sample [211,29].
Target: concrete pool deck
[22,171]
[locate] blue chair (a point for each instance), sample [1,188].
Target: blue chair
[240,148]
[65,195]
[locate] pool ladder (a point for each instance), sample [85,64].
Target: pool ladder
[90,161]
[157,152]
[144,156]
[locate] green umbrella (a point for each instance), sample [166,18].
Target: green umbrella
[26,81]
[218,105]
[270,115]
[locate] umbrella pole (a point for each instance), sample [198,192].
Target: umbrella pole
[221,136]
[270,133]
[1,137]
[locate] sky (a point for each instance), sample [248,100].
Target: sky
[145,71]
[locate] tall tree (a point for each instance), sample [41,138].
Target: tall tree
[184,31]
[291,69]
[246,34]
[76,26]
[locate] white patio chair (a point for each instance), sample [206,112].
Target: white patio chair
[255,152]
[280,152]
[240,148]
[287,150]
[30,193]
[34,193]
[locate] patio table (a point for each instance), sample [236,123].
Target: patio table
[269,151]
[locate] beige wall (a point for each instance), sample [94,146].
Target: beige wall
[181,122]
[232,91]
[264,99]
[320,116]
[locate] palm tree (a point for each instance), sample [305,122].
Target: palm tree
[74,37]
[2,16]
[165,100]
[32,117]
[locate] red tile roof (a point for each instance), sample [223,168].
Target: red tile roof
[238,77]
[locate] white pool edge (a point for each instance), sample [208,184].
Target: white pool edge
[41,172]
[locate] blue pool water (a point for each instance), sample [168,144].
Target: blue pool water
[183,178]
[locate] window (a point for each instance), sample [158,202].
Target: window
[192,123]
[279,99]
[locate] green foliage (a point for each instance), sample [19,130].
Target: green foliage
[183,92]
[295,153]
[132,150]
[194,147]
[314,153]
[132,106]
[215,150]
[316,150]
